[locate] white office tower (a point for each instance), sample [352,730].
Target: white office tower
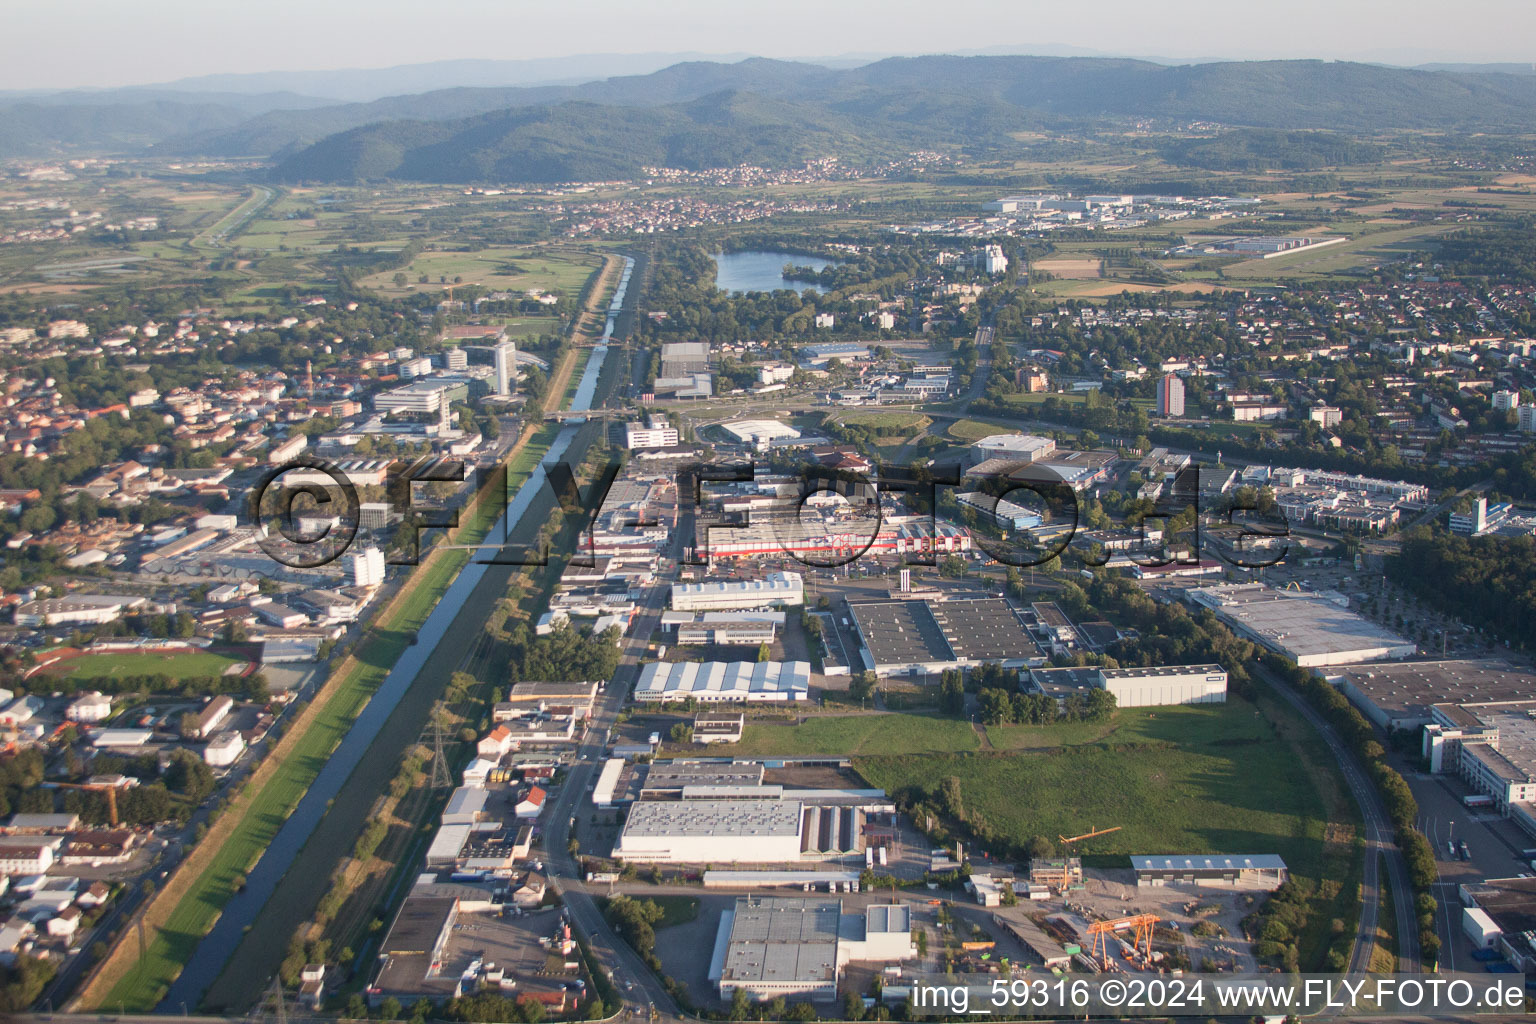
[367,567]
[456,359]
[505,355]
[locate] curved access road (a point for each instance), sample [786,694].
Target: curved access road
[1379,846]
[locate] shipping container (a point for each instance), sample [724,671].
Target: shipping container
[1479,927]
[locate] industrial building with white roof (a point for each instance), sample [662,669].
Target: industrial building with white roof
[777,589]
[773,946]
[722,681]
[1314,630]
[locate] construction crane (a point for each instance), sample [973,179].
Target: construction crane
[1088,835]
[1099,932]
[103,787]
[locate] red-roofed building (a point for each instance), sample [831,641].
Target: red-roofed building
[496,743]
[530,806]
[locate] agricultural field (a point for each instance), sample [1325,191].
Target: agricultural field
[1105,287]
[1069,268]
[502,268]
[122,664]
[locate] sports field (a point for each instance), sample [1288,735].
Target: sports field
[122,664]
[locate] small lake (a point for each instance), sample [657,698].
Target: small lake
[758,271]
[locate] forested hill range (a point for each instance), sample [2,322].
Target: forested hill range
[774,114]
[699,114]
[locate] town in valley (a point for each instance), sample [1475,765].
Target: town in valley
[742,539]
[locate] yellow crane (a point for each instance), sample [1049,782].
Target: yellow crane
[101,787]
[1142,924]
[1088,835]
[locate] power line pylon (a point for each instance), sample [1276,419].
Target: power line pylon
[273,1008]
[442,778]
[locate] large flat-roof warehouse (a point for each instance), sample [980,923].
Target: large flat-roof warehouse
[719,811]
[1313,630]
[777,589]
[780,946]
[772,946]
[761,831]
[1236,870]
[922,638]
[1149,686]
[1400,695]
[720,681]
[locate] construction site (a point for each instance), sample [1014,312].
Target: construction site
[1156,914]
[1103,923]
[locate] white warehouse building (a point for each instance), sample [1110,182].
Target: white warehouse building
[777,589]
[1313,629]
[1165,684]
[712,832]
[720,681]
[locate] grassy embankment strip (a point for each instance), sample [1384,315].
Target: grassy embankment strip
[187,908]
[244,847]
[366,882]
[181,914]
[1384,952]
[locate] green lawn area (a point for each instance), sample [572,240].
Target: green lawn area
[1365,246]
[853,734]
[1194,800]
[675,909]
[974,430]
[119,664]
[1234,721]
[887,422]
[1217,778]
[1065,398]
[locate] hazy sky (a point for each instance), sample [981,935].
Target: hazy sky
[65,43]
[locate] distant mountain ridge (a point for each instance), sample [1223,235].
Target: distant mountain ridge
[577,140]
[969,101]
[895,104]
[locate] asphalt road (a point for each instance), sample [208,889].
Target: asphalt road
[640,988]
[1379,847]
